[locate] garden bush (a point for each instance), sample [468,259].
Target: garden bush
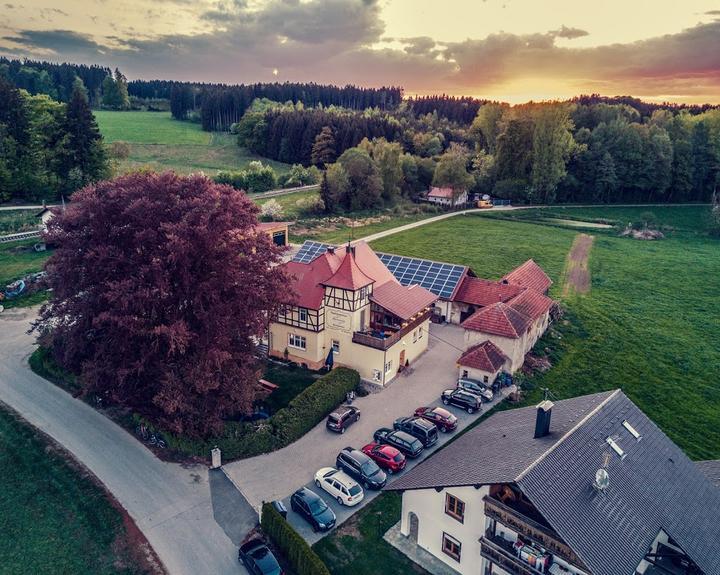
[300,555]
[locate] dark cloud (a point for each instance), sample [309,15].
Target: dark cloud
[336,41]
[713,13]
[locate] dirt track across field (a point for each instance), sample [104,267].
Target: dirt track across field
[577,274]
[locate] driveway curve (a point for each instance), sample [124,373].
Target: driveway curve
[171,504]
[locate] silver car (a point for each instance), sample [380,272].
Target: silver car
[476,388]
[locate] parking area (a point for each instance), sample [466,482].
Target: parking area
[275,476]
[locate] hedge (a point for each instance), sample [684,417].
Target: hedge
[303,559]
[242,440]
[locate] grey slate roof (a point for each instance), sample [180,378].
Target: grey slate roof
[653,487]
[499,449]
[711,470]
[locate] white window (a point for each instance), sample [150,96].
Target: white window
[615,447]
[388,366]
[297,341]
[335,346]
[420,332]
[302,313]
[377,376]
[634,432]
[414,336]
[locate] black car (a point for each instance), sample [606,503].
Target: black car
[361,468]
[313,509]
[258,559]
[340,419]
[418,427]
[404,442]
[461,398]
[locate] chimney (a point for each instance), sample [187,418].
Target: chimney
[331,249]
[542,420]
[352,251]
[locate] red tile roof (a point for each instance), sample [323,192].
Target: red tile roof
[402,301]
[485,356]
[441,193]
[270,226]
[309,277]
[477,291]
[529,275]
[531,303]
[498,319]
[348,275]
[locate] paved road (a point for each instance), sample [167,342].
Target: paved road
[276,475]
[193,522]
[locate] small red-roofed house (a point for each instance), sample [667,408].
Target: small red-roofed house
[483,362]
[447,196]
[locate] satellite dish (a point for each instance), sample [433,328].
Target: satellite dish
[602,480]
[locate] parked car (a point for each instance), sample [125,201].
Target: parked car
[258,559]
[361,468]
[419,428]
[442,418]
[461,398]
[386,456]
[475,387]
[409,445]
[311,507]
[342,418]
[340,485]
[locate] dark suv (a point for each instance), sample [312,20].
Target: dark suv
[361,468]
[403,442]
[418,427]
[313,509]
[475,387]
[340,419]
[461,398]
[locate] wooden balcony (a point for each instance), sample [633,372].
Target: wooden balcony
[383,343]
[500,553]
[529,529]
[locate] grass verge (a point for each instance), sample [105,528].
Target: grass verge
[55,517]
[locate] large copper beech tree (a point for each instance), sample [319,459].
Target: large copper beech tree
[159,283]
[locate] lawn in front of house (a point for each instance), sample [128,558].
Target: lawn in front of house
[54,517]
[357,546]
[290,381]
[17,260]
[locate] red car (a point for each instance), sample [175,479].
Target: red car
[442,418]
[387,457]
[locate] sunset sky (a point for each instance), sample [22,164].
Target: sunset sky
[512,50]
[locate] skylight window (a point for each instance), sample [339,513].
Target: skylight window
[634,432]
[615,447]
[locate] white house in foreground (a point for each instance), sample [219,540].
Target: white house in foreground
[587,486]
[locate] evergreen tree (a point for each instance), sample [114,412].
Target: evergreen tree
[606,181]
[552,146]
[81,157]
[704,162]
[323,149]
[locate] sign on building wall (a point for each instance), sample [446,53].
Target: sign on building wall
[338,320]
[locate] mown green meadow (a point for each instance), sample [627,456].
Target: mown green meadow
[160,143]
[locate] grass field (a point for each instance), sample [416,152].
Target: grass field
[161,143]
[648,326]
[53,517]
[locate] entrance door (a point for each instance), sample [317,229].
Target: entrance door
[402,359]
[414,527]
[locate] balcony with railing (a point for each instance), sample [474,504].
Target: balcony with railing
[386,339]
[501,553]
[530,530]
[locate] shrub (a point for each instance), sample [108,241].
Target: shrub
[119,150]
[300,555]
[272,209]
[310,206]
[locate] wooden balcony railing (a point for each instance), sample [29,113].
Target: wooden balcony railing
[383,343]
[530,529]
[504,558]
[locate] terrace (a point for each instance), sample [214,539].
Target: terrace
[387,331]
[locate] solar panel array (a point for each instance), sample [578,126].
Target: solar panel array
[309,251]
[439,278]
